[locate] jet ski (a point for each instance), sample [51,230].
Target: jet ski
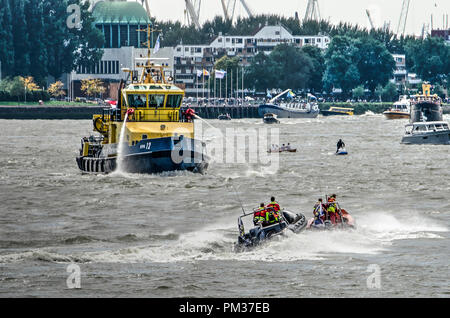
[289,221]
[341,152]
[348,221]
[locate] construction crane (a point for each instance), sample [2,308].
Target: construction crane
[370,19]
[193,12]
[229,8]
[312,11]
[147,7]
[403,18]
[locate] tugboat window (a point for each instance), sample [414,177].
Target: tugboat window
[174,101]
[156,101]
[137,100]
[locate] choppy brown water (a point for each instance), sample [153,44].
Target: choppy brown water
[172,235]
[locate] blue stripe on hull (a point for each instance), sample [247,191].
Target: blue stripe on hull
[153,156]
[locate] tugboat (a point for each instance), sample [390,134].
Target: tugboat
[289,221]
[147,132]
[292,109]
[333,111]
[270,118]
[400,109]
[426,123]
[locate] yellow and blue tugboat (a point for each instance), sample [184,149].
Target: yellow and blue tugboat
[147,132]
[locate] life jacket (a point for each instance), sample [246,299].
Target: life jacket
[271,215]
[331,208]
[274,205]
[259,215]
[318,210]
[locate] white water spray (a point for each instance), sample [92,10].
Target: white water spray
[197,116]
[119,158]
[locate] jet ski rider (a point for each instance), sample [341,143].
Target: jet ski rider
[340,145]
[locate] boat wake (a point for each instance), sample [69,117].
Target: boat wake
[375,233]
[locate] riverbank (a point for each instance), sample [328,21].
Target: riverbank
[48,112]
[207,112]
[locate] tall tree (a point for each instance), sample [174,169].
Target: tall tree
[318,62]
[20,42]
[375,64]
[6,38]
[430,59]
[293,67]
[34,12]
[340,66]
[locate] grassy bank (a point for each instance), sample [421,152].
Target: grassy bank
[49,103]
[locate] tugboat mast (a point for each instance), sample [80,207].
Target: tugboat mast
[149,68]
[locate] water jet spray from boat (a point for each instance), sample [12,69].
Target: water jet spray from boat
[120,148]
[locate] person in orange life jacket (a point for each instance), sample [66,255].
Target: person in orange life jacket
[331,208]
[274,204]
[338,211]
[260,214]
[318,211]
[272,215]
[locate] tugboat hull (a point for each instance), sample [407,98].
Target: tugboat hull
[151,156]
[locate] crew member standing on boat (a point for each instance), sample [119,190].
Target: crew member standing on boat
[318,211]
[340,145]
[189,114]
[331,209]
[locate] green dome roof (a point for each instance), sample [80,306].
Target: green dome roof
[120,12]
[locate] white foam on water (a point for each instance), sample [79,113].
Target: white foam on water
[375,233]
[389,227]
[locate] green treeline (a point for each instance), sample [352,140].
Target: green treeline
[36,39]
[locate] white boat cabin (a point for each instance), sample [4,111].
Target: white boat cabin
[426,127]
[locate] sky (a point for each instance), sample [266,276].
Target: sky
[353,11]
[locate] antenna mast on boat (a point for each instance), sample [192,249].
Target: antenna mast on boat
[148,67]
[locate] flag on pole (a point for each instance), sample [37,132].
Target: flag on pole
[291,94]
[220,74]
[199,73]
[157,46]
[205,72]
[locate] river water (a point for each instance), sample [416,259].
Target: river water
[172,235]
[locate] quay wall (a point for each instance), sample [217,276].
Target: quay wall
[209,112]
